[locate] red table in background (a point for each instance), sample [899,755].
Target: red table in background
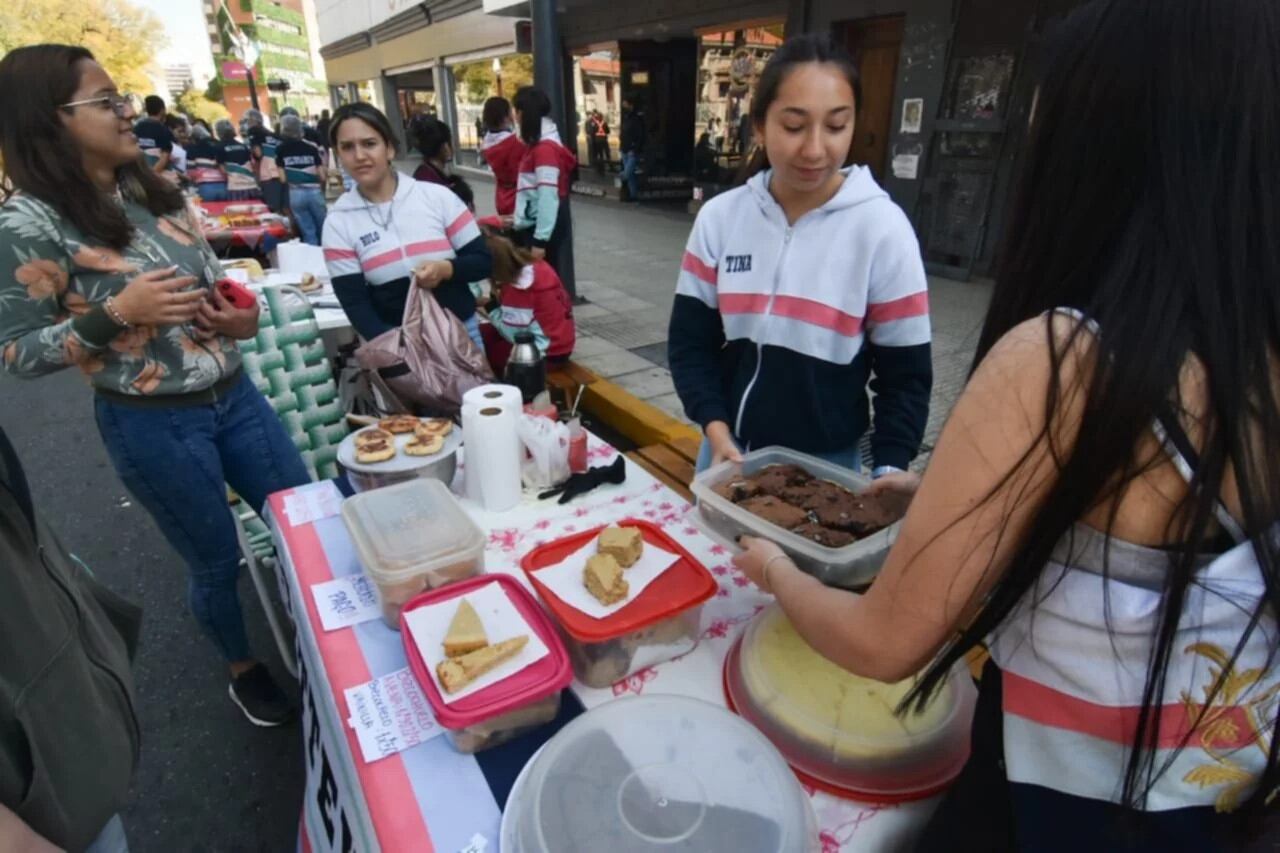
[260,238]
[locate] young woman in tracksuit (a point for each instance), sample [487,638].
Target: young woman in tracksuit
[532,299]
[502,150]
[802,288]
[391,233]
[541,218]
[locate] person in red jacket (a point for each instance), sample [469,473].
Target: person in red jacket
[532,298]
[503,151]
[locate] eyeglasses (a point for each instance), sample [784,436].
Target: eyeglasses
[124,106]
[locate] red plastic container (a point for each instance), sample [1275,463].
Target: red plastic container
[511,707]
[661,623]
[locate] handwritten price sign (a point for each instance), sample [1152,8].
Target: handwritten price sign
[346,601]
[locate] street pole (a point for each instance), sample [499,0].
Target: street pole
[548,75]
[253,90]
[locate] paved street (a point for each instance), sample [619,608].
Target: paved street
[209,781]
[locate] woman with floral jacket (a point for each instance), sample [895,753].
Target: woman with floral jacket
[103,267]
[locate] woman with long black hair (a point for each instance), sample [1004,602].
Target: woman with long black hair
[541,217]
[1102,508]
[103,267]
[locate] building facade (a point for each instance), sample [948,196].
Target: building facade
[284,73]
[441,57]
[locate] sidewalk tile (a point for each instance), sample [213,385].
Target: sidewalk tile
[590,311]
[647,383]
[669,403]
[611,364]
[589,345]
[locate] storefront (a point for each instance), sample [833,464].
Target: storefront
[400,57]
[689,71]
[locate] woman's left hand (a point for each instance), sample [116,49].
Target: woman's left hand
[217,316]
[431,274]
[757,555]
[538,253]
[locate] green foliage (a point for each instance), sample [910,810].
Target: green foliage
[123,37]
[197,105]
[477,82]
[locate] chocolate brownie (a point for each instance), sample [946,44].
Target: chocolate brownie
[776,478]
[775,511]
[814,495]
[860,516]
[737,489]
[824,536]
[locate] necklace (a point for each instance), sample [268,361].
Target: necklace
[371,209]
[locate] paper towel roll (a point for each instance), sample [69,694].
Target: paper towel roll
[471,458]
[505,397]
[495,394]
[497,448]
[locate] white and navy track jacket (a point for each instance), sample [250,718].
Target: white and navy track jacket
[371,251]
[777,329]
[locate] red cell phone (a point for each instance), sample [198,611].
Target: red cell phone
[236,293]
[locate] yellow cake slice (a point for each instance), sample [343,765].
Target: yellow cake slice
[624,544]
[457,673]
[603,579]
[466,632]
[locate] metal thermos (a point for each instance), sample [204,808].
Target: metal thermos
[526,369]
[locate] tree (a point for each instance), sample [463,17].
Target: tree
[476,80]
[121,36]
[197,105]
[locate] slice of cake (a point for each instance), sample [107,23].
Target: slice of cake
[466,632]
[457,673]
[603,579]
[624,544]
[775,511]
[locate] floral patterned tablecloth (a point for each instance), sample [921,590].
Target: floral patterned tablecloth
[432,797]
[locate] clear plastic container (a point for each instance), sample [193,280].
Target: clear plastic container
[514,706]
[852,567]
[498,730]
[839,730]
[411,537]
[661,623]
[658,774]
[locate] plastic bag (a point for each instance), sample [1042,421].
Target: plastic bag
[546,444]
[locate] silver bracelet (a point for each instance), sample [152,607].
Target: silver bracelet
[114,313]
[764,574]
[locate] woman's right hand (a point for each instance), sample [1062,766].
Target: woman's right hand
[722,444]
[156,298]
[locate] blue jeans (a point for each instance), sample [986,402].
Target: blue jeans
[213,192]
[850,458]
[177,463]
[307,204]
[630,160]
[473,329]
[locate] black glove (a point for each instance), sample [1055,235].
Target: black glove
[580,484]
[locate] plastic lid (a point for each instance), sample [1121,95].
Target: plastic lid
[661,773]
[684,585]
[406,529]
[838,729]
[549,675]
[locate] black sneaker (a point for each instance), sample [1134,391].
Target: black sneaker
[261,699]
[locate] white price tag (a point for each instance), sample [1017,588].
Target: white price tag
[346,601]
[389,715]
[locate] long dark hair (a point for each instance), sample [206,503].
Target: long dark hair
[534,105]
[496,113]
[1147,200]
[367,113]
[798,50]
[430,135]
[42,159]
